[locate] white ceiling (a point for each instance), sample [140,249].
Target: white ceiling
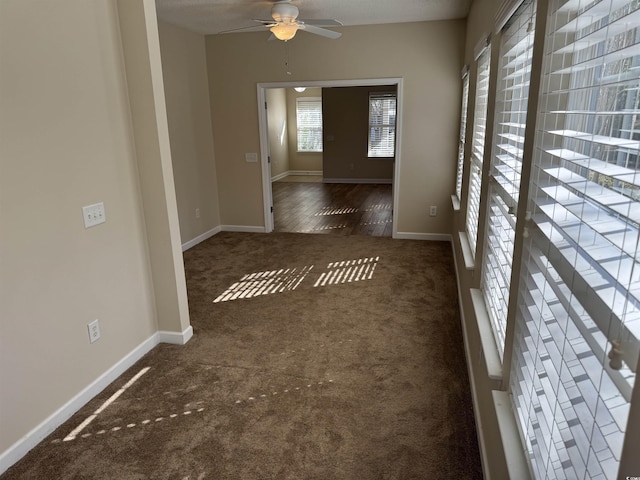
[214,16]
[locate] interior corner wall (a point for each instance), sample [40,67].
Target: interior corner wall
[66,143]
[428,56]
[278,131]
[189,117]
[480,23]
[301,161]
[143,69]
[345,118]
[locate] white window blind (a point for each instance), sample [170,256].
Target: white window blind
[477,147]
[516,51]
[382,124]
[580,288]
[309,120]
[463,133]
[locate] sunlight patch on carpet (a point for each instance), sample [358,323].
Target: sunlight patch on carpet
[147,421]
[286,391]
[348,271]
[287,280]
[76,431]
[265,283]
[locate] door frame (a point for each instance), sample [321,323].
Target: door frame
[267,194]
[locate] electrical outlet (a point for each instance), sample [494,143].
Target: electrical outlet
[197,213]
[94,330]
[433,211]
[93,215]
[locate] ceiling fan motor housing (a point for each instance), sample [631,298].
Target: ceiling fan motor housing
[284,12]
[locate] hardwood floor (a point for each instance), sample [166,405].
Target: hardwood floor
[333,208]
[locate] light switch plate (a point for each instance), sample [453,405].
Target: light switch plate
[251,157]
[93,215]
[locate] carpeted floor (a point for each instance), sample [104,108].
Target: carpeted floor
[314,357]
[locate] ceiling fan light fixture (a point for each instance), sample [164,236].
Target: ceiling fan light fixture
[284,31]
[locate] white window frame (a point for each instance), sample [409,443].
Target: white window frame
[483,73]
[463,131]
[511,103]
[577,326]
[386,148]
[309,129]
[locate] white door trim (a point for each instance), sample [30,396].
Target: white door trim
[267,194]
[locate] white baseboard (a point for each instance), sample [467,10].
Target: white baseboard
[358,180]
[305,172]
[200,238]
[437,237]
[282,175]
[242,228]
[176,338]
[35,436]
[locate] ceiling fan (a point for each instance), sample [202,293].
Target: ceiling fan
[285,23]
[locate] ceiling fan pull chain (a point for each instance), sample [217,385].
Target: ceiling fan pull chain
[286,58]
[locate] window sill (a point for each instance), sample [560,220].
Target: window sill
[517,465]
[455,202]
[469,262]
[489,348]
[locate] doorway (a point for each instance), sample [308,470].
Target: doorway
[268,197]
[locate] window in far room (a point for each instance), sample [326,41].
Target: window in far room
[309,119]
[382,124]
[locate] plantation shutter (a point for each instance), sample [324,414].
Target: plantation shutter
[477,145]
[516,51]
[463,132]
[576,339]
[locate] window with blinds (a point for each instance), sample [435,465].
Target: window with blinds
[578,322]
[309,124]
[477,147]
[463,133]
[516,51]
[382,125]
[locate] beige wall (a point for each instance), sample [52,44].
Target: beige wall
[301,161]
[278,130]
[83,120]
[427,55]
[345,119]
[187,97]
[67,141]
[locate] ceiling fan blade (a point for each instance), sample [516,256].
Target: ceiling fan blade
[320,31]
[322,22]
[256,28]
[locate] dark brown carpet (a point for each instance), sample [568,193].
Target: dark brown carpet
[341,358]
